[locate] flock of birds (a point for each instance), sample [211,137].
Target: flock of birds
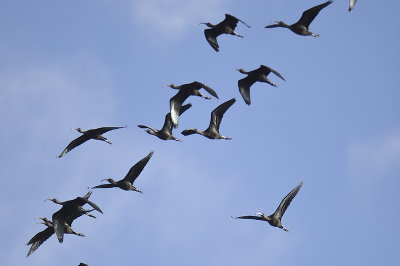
[62,220]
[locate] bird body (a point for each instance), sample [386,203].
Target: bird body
[186,90]
[227,26]
[42,236]
[275,218]
[166,132]
[301,26]
[88,134]
[212,132]
[127,182]
[260,74]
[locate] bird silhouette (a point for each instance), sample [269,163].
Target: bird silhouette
[42,236]
[259,74]
[352,4]
[212,132]
[70,210]
[88,134]
[186,90]
[227,26]
[275,218]
[127,182]
[301,26]
[166,132]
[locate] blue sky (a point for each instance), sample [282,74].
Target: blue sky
[333,124]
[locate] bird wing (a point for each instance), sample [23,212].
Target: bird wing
[105,186]
[135,170]
[175,104]
[211,37]
[232,21]
[286,202]
[94,206]
[207,88]
[250,217]
[39,238]
[58,225]
[218,113]
[351,4]
[102,130]
[76,142]
[276,73]
[309,15]
[167,127]
[244,85]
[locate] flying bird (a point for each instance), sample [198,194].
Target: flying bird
[127,182]
[227,26]
[70,210]
[166,132]
[42,236]
[259,74]
[88,134]
[212,132]
[352,4]
[186,90]
[275,218]
[301,26]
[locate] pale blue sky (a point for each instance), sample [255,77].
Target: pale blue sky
[333,124]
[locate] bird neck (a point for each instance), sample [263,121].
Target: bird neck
[283,24]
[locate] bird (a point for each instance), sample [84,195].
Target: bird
[275,218]
[227,26]
[186,90]
[82,264]
[42,236]
[301,26]
[127,182]
[70,210]
[88,134]
[259,74]
[352,4]
[166,132]
[212,132]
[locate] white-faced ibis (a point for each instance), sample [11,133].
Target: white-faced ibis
[227,26]
[127,182]
[166,132]
[301,26]
[186,90]
[42,236]
[259,74]
[212,132]
[88,134]
[275,218]
[70,210]
[351,4]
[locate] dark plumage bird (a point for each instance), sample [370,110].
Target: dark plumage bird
[352,4]
[82,264]
[127,182]
[301,26]
[260,74]
[275,218]
[166,132]
[42,236]
[227,26]
[212,132]
[70,210]
[88,134]
[186,90]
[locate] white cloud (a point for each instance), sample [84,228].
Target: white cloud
[175,16]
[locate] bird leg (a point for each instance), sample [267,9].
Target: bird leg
[315,35]
[285,229]
[237,34]
[76,233]
[227,138]
[271,83]
[176,139]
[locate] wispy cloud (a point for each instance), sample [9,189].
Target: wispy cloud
[173,17]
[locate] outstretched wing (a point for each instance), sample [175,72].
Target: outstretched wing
[244,85]
[206,87]
[102,130]
[39,238]
[167,127]
[286,202]
[135,170]
[232,21]
[218,113]
[276,73]
[76,142]
[309,15]
[211,37]
[251,217]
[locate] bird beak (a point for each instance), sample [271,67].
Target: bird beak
[166,85]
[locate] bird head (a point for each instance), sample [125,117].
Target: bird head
[110,180]
[79,130]
[241,70]
[208,24]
